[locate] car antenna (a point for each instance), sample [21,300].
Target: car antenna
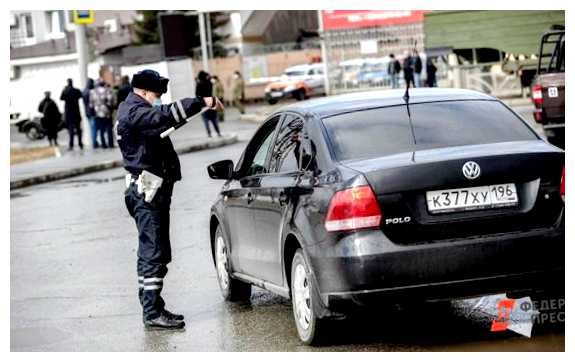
[406,99]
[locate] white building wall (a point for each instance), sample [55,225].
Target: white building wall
[34,79]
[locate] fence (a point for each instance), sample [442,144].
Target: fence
[358,58]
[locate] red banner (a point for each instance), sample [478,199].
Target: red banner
[349,19]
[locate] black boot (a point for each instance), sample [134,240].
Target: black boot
[170,315]
[163,322]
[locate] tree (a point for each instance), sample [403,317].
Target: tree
[148,31]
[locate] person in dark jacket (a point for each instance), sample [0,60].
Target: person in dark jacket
[417,69]
[204,89]
[51,118]
[90,112]
[153,168]
[393,69]
[408,70]
[431,70]
[124,90]
[71,97]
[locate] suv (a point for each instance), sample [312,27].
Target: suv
[299,82]
[548,87]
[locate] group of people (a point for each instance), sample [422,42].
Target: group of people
[210,86]
[100,102]
[412,67]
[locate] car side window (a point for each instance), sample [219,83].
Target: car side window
[258,164]
[286,151]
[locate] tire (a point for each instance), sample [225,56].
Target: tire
[272,101]
[33,133]
[233,290]
[299,94]
[311,330]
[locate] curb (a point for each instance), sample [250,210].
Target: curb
[253,117]
[106,165]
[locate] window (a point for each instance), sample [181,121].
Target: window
[27,23]
[55,23]
[386,131]
[260,151]
[285,156]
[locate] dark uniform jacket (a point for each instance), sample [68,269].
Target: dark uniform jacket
[71,97]
[51,115]
[139,126]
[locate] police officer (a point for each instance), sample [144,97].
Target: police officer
[153,168]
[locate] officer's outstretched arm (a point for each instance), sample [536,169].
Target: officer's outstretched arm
[160,119]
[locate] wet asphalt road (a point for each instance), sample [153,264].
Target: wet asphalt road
[74,285]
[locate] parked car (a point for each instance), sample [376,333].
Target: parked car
[357,200]
[548,88]
[30,125]
[299,82]
[374,73]
[348,72]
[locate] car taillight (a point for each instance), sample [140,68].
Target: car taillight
[537,94]
[352,209]
[562,189]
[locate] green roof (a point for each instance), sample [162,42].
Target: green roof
[511,31]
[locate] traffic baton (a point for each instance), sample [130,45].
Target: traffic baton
[169,131]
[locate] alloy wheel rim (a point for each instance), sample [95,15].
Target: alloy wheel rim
[302,300]
[222,263]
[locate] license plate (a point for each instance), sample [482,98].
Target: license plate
[472,198]
[276,94]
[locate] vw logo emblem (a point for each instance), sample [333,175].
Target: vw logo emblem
[471,170]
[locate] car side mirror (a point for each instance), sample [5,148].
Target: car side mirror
[221,170]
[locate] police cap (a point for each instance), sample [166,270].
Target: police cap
[150,80]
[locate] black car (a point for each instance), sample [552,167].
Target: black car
[373,198]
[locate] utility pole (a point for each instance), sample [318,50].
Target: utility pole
[211,48]
[202,25]
[323,52]
[82,51]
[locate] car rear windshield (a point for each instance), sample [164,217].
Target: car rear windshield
[386,131]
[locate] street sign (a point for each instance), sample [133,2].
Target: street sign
[83,16]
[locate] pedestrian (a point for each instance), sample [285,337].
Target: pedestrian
[431,70]
[71,97]
[204,89]
[218,92]
[153,168]
[124,90]
[408,69]
[51,118]
[102,100]
[90,113]
[417,68]
[393,69]
[239,92]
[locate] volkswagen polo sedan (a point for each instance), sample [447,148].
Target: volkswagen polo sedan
[371,198]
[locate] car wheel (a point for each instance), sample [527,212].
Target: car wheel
[299,94]
[309,327]
[272,101]
[233,290]
[33,133]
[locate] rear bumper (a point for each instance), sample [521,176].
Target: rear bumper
[366,268]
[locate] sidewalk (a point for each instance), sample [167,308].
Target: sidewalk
[190,138]
[76,163]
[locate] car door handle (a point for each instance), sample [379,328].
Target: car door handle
[283,199]
[250,197]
